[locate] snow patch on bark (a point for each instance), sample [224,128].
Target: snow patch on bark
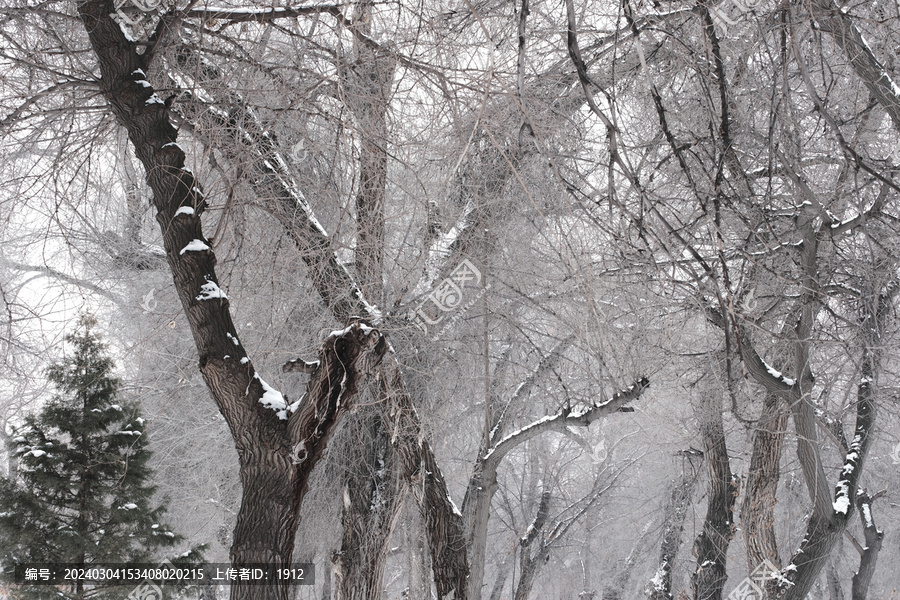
[194,246]
[272,398]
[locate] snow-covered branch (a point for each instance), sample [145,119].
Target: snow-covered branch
[567,417]
[546,364]
[873,540]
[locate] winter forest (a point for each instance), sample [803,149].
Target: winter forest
[462,299]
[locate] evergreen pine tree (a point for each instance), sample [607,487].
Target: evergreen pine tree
[83,494]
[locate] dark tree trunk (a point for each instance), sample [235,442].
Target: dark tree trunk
[443,521]
[869,556]
[368,80]
[711,546]
[758,507]
[266,437]
[531,563]
[824,530]
[344,298]
[834,20]
[373,485]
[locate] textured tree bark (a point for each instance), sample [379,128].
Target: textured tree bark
[660,587]
[830,514]
[344,298]
[824,530]
[758,507]
[368,80]
[373,484]
[443,521]
[711,545]
[266,437]
[339,291]
[869,556]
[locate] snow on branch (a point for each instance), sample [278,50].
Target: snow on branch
[298,365]
[567,417]
[546,364]
[867,67]
[770,378]
[873,541]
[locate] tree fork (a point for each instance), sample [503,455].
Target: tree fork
[274,475]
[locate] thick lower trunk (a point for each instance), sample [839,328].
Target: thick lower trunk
[821,536]
[711,546]
[758,507]
[266,525]
[443,524]
[481,490]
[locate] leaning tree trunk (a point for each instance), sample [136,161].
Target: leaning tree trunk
[873,538]
[269,176]
[266,431]
[832,18]
[530,561]
[830,511]
[758,507]
[711,546]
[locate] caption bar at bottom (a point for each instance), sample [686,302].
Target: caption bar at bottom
[165,574]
